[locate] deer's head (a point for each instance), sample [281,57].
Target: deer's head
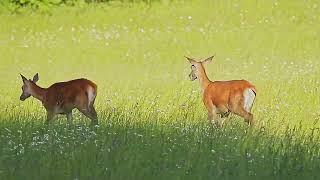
[26,87]
[197,67]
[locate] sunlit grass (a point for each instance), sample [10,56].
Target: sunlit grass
[152,121]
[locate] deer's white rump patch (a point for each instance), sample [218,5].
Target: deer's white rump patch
[249,97]
[91,95]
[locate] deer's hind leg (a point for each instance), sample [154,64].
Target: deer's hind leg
[88,110]
[91,114]
[83,106]
[92,110]
[248,117]
[238,108]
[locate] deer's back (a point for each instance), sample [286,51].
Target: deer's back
[75,84]
[64,93]
[220,92]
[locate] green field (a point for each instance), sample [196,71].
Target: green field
[153,124]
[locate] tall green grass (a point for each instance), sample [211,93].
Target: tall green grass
[152,121]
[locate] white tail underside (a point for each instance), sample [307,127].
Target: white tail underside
[249,97]
[91,95]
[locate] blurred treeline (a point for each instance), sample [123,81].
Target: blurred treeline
[45,5]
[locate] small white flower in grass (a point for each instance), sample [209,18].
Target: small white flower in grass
[46,137]
[10,142]
[35,138]
[33,144]
[7,129]
[189,17]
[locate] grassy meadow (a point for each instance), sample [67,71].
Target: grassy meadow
[153,124]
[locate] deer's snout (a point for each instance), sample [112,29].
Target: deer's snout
[192,76]
[24,97]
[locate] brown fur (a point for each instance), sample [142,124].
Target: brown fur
[63,97]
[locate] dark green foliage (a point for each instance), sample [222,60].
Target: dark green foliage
[121,150]
[47,5]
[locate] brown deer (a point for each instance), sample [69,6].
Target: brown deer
[63,97]
[223,97]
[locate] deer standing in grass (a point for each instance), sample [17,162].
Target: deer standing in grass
[223,97]
[63,97]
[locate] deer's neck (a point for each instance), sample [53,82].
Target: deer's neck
[38,92]
[203,78]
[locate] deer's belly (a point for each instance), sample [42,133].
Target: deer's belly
[63,109]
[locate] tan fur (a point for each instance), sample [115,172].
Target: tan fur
[222,97]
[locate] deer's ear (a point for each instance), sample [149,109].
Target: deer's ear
[208,60]
[24,79]
[192,61]
[35,78]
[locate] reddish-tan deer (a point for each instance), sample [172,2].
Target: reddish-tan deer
[63,97]
[223,97]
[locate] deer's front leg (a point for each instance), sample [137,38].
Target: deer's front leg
[50,116]
[69,117]
[213,116]
[212,111]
